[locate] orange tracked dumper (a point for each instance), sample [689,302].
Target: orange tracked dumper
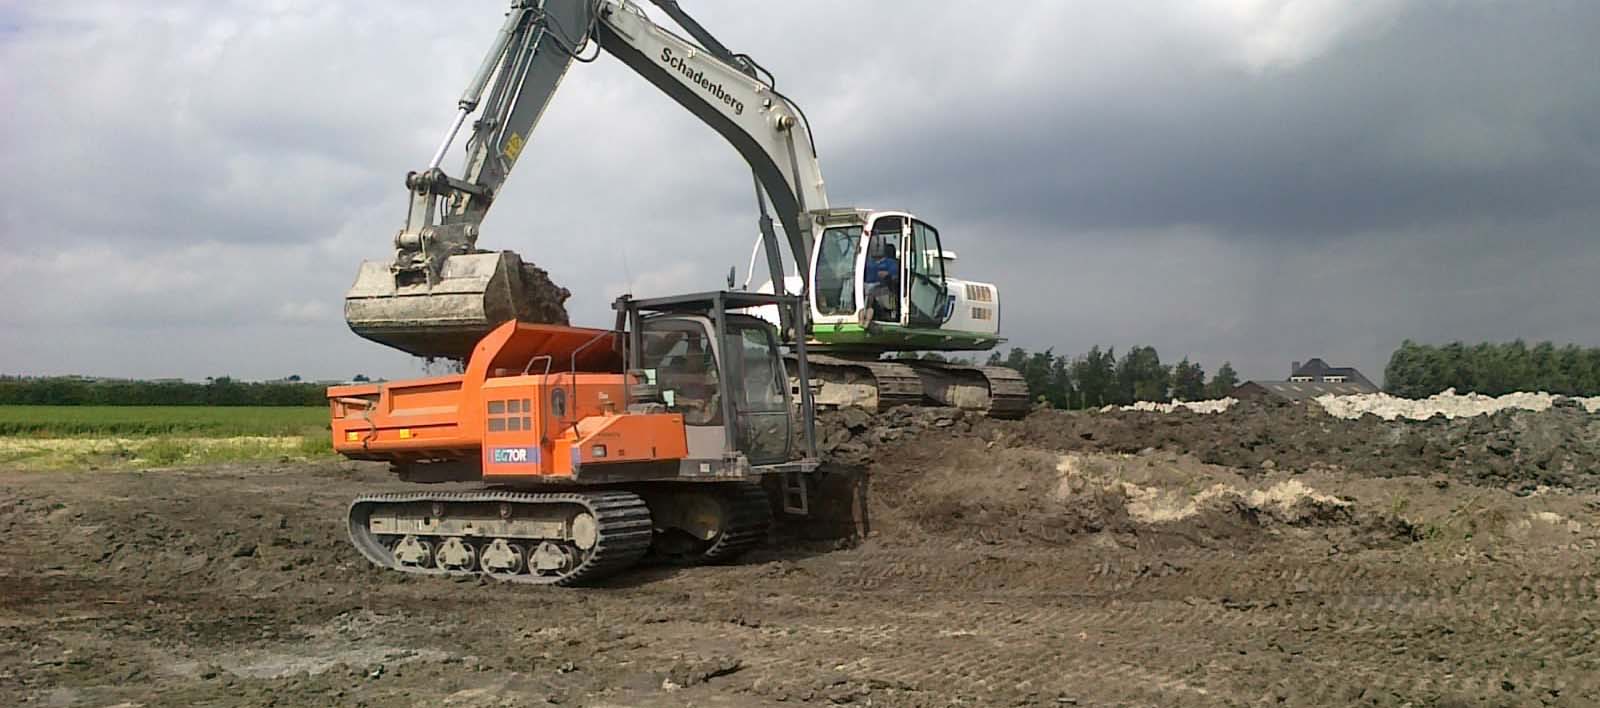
[590,448]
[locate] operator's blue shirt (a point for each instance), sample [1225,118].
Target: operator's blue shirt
[885,263]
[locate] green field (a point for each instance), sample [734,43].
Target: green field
[51,437]
[194,421]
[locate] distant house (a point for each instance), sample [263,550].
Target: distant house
[1309,380]
[1318,371]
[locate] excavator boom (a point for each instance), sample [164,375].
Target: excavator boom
[441,292]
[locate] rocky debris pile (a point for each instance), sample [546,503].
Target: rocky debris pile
[1212,406]
[851,435]
[1448,404]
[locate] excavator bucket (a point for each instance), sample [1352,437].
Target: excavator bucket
[474,294]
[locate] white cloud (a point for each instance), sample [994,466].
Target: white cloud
[305,311]
[1276,35]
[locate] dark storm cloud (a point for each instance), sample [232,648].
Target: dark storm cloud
[1254,180]
[1454,111]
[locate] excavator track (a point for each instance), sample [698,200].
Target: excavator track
[534,538]
[891,383]
[998,391]
[1008,392]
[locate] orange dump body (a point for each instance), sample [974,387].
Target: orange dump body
[536,403]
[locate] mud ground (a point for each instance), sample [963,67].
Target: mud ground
[1159,561]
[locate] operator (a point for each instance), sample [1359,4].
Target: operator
[883,284]
[695,387]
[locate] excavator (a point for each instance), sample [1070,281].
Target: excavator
[588,450]
[440,292]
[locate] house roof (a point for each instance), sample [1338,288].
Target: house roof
[1317,368]
[1301,390]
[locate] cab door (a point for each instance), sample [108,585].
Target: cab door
[885,291]
[759,385]
[925,292]
[707,379]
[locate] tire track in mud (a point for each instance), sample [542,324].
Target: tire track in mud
[1368,625]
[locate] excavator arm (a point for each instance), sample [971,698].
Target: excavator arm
[531,53]
[441,292]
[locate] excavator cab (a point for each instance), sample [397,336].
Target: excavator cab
[882,280]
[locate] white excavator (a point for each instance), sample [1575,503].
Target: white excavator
[876,281]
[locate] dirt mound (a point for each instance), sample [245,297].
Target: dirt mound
[991,494]
[954,474]
[1555,447]
[1238,476]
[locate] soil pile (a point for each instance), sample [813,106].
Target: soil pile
[1559,446]
[1520,448]
[1239,475]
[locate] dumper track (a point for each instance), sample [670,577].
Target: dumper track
[623,531]
[750,520]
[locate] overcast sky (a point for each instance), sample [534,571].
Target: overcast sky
[191,185]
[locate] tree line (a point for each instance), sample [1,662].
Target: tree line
[1421,370]
[221,391]
[1100,378]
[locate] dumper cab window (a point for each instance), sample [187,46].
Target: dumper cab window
[685,367]
[761,399]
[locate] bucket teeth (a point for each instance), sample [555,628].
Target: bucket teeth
[474,293]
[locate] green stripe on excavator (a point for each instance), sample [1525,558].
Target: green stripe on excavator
[897,338]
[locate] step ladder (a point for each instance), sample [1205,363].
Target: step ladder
[796,496]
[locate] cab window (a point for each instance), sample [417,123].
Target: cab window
[763,406]
[686,370]
[926,288]
[836,270]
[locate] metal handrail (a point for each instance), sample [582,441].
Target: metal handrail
[548,362]
[572,370]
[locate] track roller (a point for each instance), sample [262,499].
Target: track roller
[546,539]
